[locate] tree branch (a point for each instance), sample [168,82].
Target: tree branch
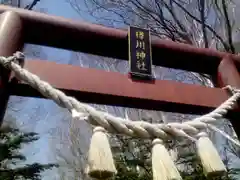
[19,3]
[226,46]
[31,5]
[228,26]
[201,8]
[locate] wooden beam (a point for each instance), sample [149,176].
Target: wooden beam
[97,86]
[64,33]
[228,75]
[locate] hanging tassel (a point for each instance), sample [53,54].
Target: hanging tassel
[100,159]
[210,159]
[163,167]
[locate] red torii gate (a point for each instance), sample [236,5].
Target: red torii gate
[19,26]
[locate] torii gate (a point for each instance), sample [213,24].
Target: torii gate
[19,26]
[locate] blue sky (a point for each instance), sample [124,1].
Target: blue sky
[64,9]
[40,115]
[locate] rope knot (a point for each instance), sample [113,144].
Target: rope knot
[232,89]
[19,58]
[202,134]
[6,61]
[99,129]
[157,141]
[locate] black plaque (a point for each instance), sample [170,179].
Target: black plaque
[140,56]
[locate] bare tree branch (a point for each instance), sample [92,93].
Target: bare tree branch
[18,3]
[226,46]
[172,19]
[228,26]
[201,7]
[31,5]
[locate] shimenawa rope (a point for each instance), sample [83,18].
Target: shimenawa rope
[116,124]
[100,159]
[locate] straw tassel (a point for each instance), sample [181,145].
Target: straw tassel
[163,167]
[211,161]
[100,159]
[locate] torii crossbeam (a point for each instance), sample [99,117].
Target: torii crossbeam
[21,26]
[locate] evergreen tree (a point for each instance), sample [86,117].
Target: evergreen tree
[11,141]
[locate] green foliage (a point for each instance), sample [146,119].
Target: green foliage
[11,141]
